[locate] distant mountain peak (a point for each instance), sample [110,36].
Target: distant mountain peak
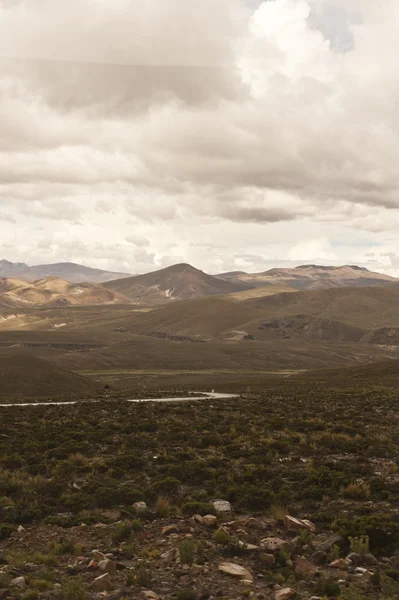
[68,271]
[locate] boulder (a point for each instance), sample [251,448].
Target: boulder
[294,524]
[140,507]
[327,544]
[319,558]
[19,583]
[304,567]
[222,507]
[236,571]
[149,595]
[102,584]
[268,559]
[97,555]
[210,520]
[169,529]
[107,566]
[285,594]
[274,544]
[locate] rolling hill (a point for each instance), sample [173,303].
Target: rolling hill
[369,315]
[52,291]
[65,270]
[25,375]
[179,282]
[310,277]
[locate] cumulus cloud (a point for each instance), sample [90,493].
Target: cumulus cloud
[144,122]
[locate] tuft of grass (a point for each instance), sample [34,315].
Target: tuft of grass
[163,507]
[73,588]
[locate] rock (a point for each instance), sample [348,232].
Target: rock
[140,507]
[102,584]
[369,559]
[315,598]
[169,529]
[248,547]
[293,524]
[355,559]
[197,569]
[19,583]
[340,563]
[333,540]
[361,570]
[285,594]
[273,544]
[170,555]
[21,529]
[210,520]
[148,595]
[97,555]
[268,559]
[198,519]
[304,567]
[222,507]
[107,566]
[319,558]
[93,565]
[203,594]
[236,571]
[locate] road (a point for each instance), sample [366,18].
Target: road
[205,396]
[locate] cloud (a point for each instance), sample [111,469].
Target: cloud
[267,117]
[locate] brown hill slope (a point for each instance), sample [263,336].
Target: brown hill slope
[24,375]
[179,282]
[343,314]
[54,291]
[311,277]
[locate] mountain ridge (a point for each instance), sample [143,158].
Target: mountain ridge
[68,271]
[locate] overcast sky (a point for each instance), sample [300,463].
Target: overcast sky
[231,134]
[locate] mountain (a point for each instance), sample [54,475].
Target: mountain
[310,277]
[25,375]
[179,282]
[52,291]
[65,270]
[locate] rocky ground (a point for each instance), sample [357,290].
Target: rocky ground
[198,558]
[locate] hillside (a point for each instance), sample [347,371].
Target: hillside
[179,282]
[52,291]
[310,277]
[368,315]
[65,270]
[24,375]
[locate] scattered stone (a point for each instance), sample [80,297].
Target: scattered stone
[97,555]
[203,594]
[370,559]
[222,507]
[19,583]
[140,507]
[21,529]
[198,519]
[274,544]
[319,558]
[102,584]
[361,570]
[169,529]
[285,594]
[210,520]
[236,571]
[333,540]
[268,559]
[93,565]
[304,567]
[340,563]
[108,566]
[355,559]
[293,524]
[248,547]
[148,595]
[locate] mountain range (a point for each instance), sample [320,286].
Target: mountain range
[65,270]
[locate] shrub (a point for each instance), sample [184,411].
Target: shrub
[360,545]
[122,532]
[163,507]
[221,537]
[143,576]
[187,550]
[72,588]
[356,491]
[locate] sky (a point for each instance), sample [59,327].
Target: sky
[230,134]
